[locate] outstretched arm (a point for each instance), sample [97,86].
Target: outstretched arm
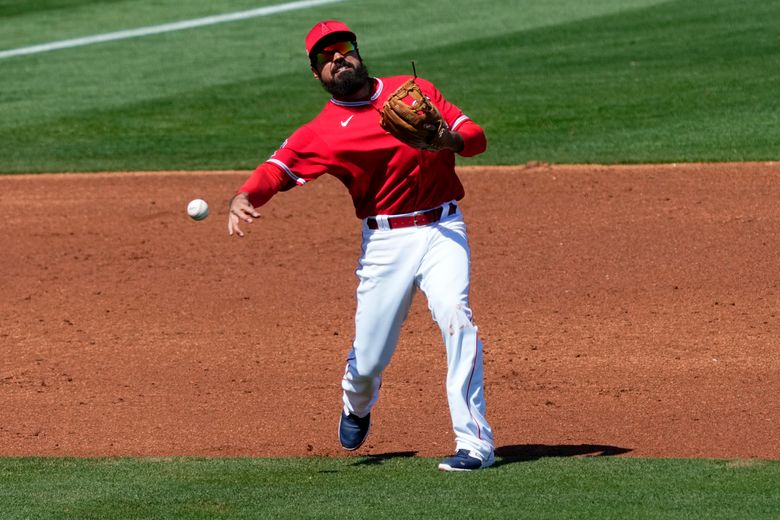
[264,183]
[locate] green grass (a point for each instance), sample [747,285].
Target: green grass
[386,487]
[564,81]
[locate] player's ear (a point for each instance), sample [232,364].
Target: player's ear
[316,74]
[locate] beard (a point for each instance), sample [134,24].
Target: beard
[352,79]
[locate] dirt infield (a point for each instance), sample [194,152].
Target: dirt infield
[625,310]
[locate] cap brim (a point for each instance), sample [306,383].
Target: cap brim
[328,39]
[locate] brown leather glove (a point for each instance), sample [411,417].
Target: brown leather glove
[418,122]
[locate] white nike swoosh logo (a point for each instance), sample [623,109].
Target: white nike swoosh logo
[347,120]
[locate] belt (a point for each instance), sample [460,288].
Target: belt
[418,218]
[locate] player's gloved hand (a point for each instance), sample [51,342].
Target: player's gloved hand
[240,209]
[417,122]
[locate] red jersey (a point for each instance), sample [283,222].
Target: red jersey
[383,175]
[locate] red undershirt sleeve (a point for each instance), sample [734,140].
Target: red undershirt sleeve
[474,141]
[266,181]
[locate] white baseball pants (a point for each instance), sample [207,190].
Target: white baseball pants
[394,263]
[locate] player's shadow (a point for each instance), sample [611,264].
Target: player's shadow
[373,460]
[515,453]
[530,452]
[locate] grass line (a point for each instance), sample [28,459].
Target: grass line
[164,28]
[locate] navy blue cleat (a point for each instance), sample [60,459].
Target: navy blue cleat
[353,430]
[465,460]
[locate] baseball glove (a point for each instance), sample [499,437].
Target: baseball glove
[418,124]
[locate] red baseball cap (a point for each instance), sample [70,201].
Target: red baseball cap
[326,32]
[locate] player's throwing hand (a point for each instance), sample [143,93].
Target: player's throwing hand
[240,209]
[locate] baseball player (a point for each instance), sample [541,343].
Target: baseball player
[392,142]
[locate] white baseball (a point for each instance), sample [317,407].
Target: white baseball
[198,209]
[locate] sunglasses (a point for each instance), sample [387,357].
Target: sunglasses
[326,54]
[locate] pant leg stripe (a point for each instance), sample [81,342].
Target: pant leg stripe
[468,388]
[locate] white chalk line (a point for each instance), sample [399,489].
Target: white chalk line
[168,27]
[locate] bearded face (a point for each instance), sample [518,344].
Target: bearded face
[344,76]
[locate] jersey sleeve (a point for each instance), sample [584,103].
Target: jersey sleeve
[300,159]
[303,157]
[264,183]
[474,141]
